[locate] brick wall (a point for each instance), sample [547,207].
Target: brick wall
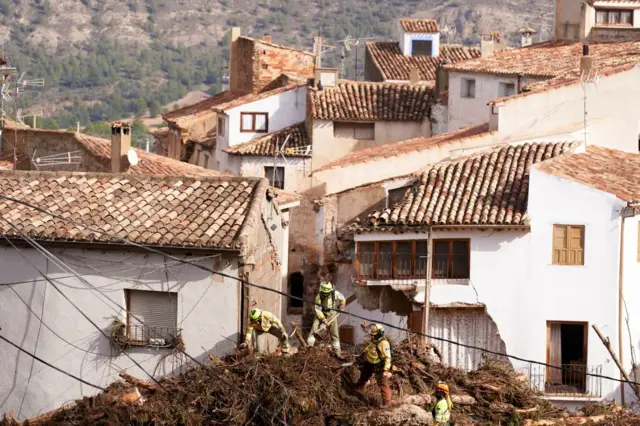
[256,64]
[45,143]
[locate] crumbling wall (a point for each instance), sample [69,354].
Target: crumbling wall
[47,142]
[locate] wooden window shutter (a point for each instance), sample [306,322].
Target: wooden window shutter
[576,245]
[559,244]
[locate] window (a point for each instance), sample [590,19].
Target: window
[605,17]
[152,317]
[408,259]
[276,179]
[421,48]
[220,129]
[468,88]
[257,122]
[206,160]
[349,130]
[450,259]
[506,89]
[568,245]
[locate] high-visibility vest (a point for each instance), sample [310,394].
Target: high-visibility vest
[378,351]
[442,413]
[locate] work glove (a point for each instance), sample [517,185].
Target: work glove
[245,345]
[387,373]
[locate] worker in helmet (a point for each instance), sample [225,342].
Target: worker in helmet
[265,322]
[328,299]
[376,359]
[442,410]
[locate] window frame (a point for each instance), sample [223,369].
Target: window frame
[465,92]
[451,242]
[253,122]
[505,85]
[413,45]
[354,127]
[414,262]
[266,175]
[127,294]
[568,227]
[607,11]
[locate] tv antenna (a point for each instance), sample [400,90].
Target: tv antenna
[11,89]
[62,159]
[347,43]
[34,115]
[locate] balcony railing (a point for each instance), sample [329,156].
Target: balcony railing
[569,380]
[156,336]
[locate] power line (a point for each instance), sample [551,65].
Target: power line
[52,366]
[250,284]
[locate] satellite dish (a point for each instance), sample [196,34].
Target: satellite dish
[132,156]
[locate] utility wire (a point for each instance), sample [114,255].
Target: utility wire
[49,365]
[38,248]
[311,301]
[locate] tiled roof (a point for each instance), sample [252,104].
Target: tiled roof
[608,170]
[419,25]
[393,65]
[557,62]
[405,147]
[485,189]
[182,116]
[148,164]
[366,101]
[176,211]
[266,145]
[253,97]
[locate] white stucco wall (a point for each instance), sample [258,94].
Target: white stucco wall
[295,170]
[613,112]
[208,314]
[284,110]
[406,39]
[465,112]
[513,275]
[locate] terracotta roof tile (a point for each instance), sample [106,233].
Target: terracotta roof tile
[111,202]
[182,116]
[366,101]
[266,145]
[404,147]
[393,65]
[608,170]
[419,25]
[558,62]
[485,189]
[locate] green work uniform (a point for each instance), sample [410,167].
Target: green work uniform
[268,323]
[327,302]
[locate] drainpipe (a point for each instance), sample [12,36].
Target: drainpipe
[427,289]
[633,209]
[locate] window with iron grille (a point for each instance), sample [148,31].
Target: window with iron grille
[152,317]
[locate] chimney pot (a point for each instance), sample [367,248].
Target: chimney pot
[267,38]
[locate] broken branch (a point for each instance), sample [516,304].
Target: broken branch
[137,382]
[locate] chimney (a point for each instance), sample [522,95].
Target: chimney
[267,38]
[120,145]
[486,45]
[326,77]
[414,75]
[527,36]
[586,63]
[442,78]
[233,58]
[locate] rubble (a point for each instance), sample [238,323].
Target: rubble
[313,388]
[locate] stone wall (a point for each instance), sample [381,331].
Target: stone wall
[48,142]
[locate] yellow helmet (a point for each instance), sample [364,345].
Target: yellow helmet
[443,387]
[376,331]
[326,287]
[255,314]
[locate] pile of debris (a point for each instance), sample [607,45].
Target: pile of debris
[313,388]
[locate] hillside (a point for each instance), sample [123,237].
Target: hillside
[108,59]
